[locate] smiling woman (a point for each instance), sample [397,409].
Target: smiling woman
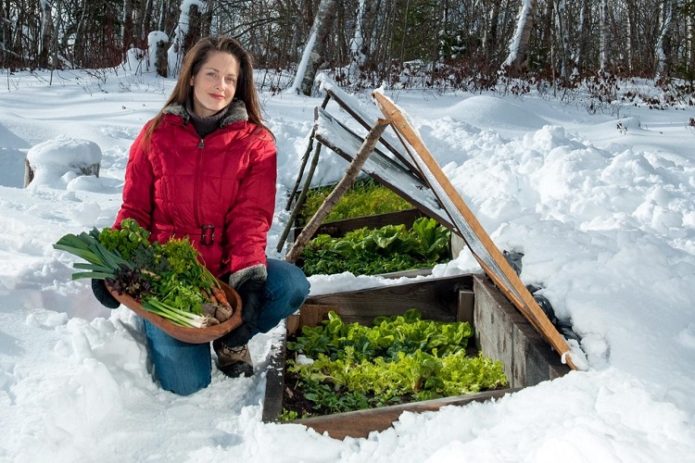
[205,168]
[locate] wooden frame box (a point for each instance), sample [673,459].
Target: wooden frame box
[500,333]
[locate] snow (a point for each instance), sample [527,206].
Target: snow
[606,219]
[62,158]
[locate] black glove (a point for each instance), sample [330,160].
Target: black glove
[252,293]
[103,295]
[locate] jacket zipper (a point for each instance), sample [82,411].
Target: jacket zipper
[196,186]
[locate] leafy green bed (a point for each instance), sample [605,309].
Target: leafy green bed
[366,197]
[338,367]
[391,248]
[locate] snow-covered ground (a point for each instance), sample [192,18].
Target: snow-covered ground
[605,217]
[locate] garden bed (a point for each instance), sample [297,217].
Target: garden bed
[499,333]
[370,231]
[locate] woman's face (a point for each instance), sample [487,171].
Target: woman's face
[214,85]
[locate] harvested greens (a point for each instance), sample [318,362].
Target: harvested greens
[338,367]
[167,279]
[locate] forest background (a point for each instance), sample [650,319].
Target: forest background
[470,45]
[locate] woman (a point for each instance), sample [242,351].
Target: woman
[205,168]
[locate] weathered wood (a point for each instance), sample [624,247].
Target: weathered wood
[361,422]
[465,309]
[302,197]
[305,158]
[339,190]
[275,380]
[482,246]
[341,227]
[502,333]
[436,299]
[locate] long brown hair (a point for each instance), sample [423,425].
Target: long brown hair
[194,60]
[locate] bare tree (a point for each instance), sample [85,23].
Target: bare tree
[666,17]
[518,46]
[47,31]
[314,50]
[603,35]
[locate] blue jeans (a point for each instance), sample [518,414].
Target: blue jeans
[185,368]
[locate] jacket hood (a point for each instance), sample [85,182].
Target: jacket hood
[236,111]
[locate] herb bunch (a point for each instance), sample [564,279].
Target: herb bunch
[166,279]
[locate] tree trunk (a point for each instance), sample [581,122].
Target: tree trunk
[665,17]
[79,49]
[517,59]
[145,18]
[490,39]
[6,31]
[690,42]
[47,31]
[629,15]
[314,51]
[563,34]
[127,25]
[603,35]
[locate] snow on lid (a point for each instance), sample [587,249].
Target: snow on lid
[64,150]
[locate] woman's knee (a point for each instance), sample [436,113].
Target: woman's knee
[287,281]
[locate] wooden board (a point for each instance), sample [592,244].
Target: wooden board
[184,334]
[477,239]
[437,299]
[341,227]
[362,422]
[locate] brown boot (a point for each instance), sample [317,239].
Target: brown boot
[233,361]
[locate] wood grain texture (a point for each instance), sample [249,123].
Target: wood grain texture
[361,422]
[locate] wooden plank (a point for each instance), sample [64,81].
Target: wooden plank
[480,243]
[437,299]
[504,334]
[341,140]
[361,422]
[341,227]
[275,380]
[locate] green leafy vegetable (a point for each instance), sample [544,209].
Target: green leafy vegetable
[387,249]
[166,278]
[395,360]
[366,197]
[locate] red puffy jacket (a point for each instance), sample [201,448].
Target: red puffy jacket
[219,191]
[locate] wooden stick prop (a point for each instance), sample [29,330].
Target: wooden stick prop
[339,190]
[480,243]
[302,197]
[305,158]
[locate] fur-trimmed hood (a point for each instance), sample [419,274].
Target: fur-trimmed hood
[235,112]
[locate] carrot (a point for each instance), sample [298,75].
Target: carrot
[221,297]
